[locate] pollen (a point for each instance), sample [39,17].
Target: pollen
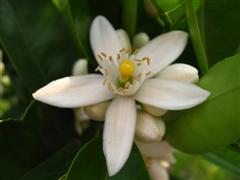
[126,69]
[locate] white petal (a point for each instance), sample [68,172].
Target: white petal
[75,91]
[163,50]
[123,38]
[171,95]
[103,38]
[118,133]
[140,40]
[179,72]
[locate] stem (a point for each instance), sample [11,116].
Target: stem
[129,16]
[196,37]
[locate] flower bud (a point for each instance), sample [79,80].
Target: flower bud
[153,110]
[157,171]
[150,8]
[97,111]
[80,67]
[179,72]
[140,40]
[149,128]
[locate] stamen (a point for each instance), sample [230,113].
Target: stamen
[139,64]
[148,73]
[122,50]
[146,59]
[128,50]
[97,69]
[100,57]
[102,53]
[110,58]
[127,85]
[118,56]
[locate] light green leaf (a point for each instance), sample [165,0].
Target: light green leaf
[89,163]
[196,36]
[228,158]
[213,124]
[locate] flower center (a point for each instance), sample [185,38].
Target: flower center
[126,69]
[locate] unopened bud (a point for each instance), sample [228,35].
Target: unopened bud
[140,40]
[179,72]
[154,110]
[97,111]
[80,67]
[150,8]
[149,128]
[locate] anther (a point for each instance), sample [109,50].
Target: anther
[110,58]
[102,53]
[100,57]
[122,50]
[148,73]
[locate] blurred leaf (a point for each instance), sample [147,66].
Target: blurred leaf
[228,158]
[24,144]
[89,163]
[129,16]
[55,166]
[221,26]
[36,41]
[214,123]
[196,37]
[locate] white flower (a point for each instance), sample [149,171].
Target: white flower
[126,77]
[158,158]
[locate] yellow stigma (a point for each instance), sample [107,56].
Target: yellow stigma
[126,69]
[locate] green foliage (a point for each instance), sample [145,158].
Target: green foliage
[31,37]
[213,124]
[89,163]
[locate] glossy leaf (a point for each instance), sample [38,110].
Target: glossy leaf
[24,144]
[89,163]
[220,23]
[55,166]
[129,16]
[213,124]
[36,41]
[196,37]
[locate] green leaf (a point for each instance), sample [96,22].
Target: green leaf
[213,124]
[220,22]
[24,144]
[228,158]
[36,41]
[55,166]
[89,163]
[129,16]
[196,37]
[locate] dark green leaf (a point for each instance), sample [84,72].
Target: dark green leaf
[221,28]
[55,166]
[89,163]
[24,144]
[129,16]
[213,124]
[36,41]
